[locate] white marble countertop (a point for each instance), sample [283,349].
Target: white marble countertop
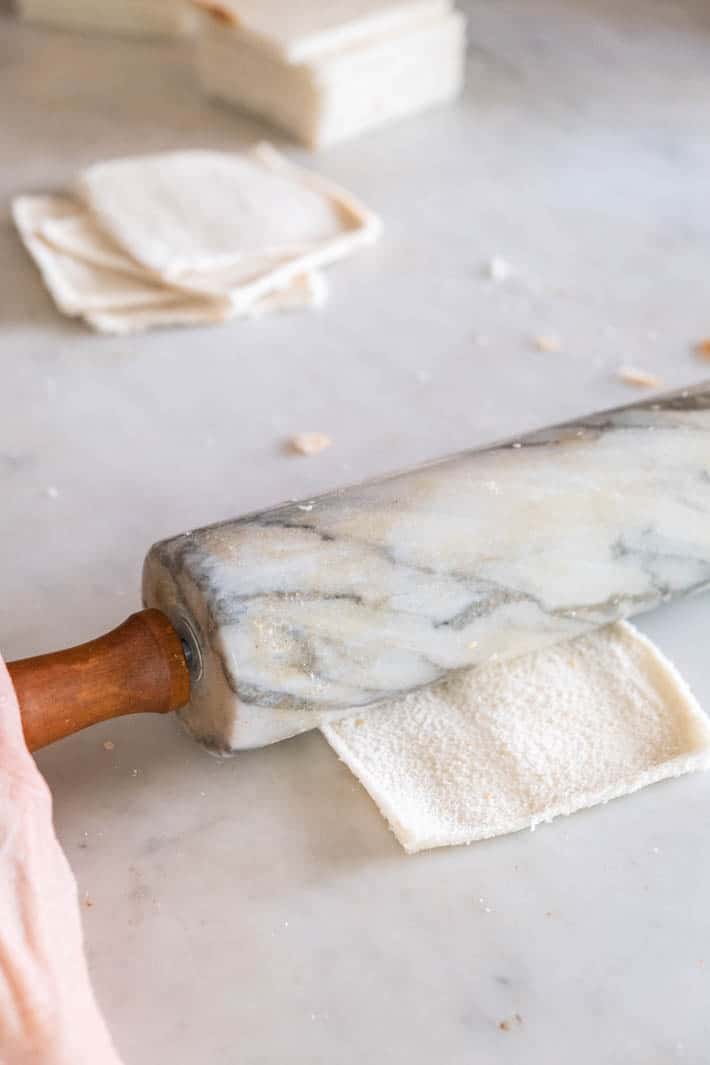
[258,911]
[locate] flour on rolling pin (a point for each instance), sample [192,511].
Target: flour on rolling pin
[295,616]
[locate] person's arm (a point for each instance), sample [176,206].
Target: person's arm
[48,1014]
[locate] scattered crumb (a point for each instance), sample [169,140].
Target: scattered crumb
[360,722]
[309,443]
[498,269]
[488,795]
[702,348]
[217,12]
[109,745]
[504,1026]
[630,375]
[507,1024]
[548,342]
[52,492]
[88,901]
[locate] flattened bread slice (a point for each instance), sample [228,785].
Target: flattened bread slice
[515,743]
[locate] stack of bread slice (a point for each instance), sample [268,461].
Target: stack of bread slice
[326,72]
[190,237]
[163,18]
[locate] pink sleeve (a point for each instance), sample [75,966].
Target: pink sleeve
[48,1014]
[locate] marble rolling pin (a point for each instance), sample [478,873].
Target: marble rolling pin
[262,627]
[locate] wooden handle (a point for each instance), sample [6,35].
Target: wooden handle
[137,668]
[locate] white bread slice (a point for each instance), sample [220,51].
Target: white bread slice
[340,93]
[150,18]
[516,743]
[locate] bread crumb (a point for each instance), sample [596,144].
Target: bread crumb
[702,348]
[498,269]
[548,342]
[109,745]
[309,443]
[219,13]
[507,1024]
[88,901]
[630,375]
[504,1026]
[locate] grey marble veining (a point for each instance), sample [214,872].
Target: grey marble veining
[256,910]
[306,610]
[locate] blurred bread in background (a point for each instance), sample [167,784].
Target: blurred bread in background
[327,72]
[159,18]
